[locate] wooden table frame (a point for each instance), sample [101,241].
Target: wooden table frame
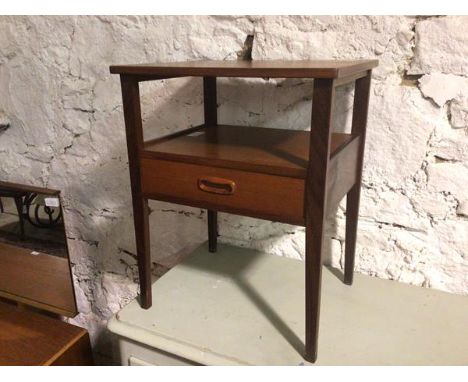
[325,182]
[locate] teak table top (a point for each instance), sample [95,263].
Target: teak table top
[255,68]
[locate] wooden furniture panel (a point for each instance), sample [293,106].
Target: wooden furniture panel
[284,175]
[77,353]
[342,174]
[45,279]
[31,339]
[28,188]
[259,149]
[264,196]
[258,195]
[256,68]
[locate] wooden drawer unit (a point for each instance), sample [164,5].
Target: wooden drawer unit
[266,196]
[250,171]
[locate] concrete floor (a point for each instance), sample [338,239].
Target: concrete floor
[239,307]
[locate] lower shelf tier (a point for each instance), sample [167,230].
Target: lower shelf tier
[258,149]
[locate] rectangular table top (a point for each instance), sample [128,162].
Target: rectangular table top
[255,68]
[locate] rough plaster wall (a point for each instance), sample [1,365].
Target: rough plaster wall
[62,126]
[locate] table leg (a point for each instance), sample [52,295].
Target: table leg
[19,208]
[134,133]
[360,110]
[212,230]
[210,109]
[315,207]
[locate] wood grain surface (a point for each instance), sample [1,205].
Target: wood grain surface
[40,280]
[31,339]
[255,68]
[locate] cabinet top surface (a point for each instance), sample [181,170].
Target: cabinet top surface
[240,306]
[271,68]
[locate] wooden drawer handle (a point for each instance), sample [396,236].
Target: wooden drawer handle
[216,185]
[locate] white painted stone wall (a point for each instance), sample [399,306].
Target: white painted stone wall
[66,131]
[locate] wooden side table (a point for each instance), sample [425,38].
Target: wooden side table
[295,177]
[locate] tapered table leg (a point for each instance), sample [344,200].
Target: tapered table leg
[134,133]
[212,231]
[313,279]
[315,207]
[210,109]
[352,213]
[141,221]
[360,110]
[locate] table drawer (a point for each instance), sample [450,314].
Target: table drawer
[259,195]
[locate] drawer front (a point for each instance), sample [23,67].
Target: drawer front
[264,196]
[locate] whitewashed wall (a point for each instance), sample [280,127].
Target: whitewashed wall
[66,131]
